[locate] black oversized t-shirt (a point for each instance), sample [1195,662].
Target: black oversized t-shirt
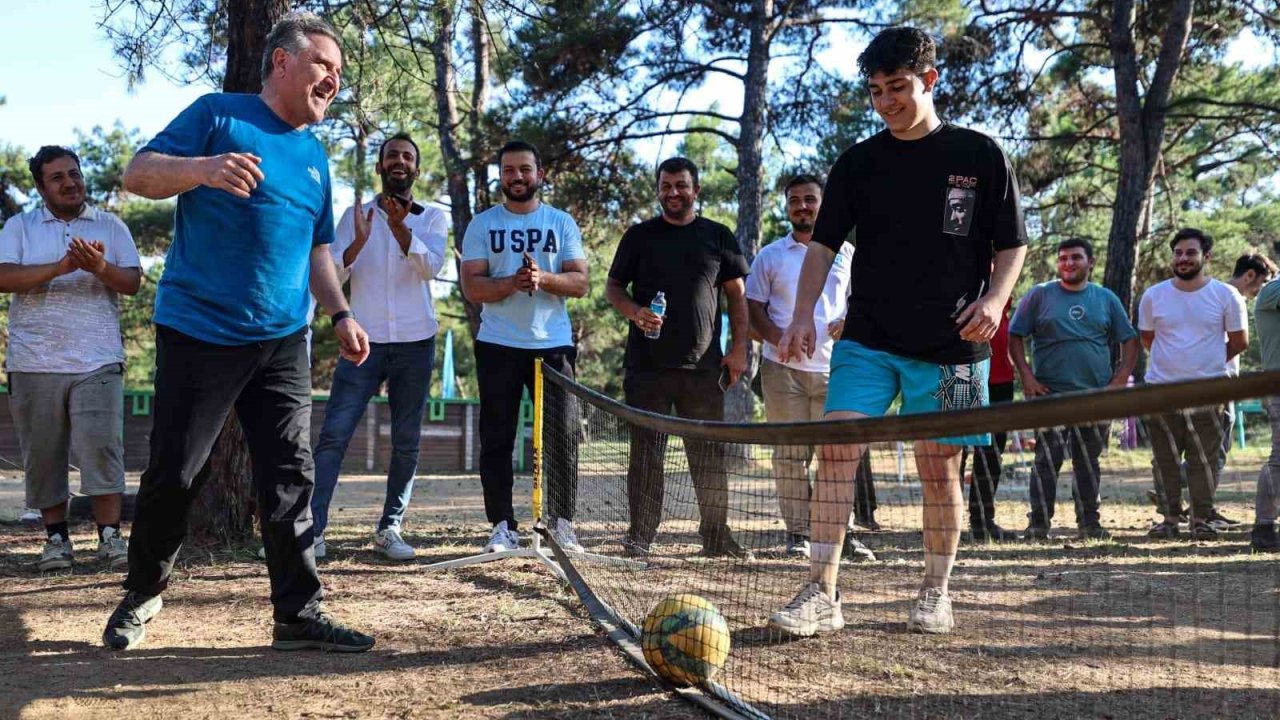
[928,216]
[688,263]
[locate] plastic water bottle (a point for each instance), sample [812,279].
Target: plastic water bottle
[659,307]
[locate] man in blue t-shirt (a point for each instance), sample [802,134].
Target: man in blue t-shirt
[254,220]
[521,259]
[1073,323]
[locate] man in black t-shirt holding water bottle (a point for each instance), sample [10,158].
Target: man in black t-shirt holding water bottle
[674,361]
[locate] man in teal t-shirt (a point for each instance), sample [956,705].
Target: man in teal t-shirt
[522,259]
[1267,503]
[253,224]
[1072,324]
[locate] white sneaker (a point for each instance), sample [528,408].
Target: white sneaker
[809,613]
[562,532]
[30,516]
[56,554]
[318,548]
[113,550]
[931,612]
[855,551]
[502,539]
[389,543]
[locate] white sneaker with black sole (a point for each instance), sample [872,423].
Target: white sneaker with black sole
[798,546]
[389,543]
[931,612]
[809,613]
[112,549]
[501,539]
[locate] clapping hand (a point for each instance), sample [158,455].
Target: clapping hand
[88,256]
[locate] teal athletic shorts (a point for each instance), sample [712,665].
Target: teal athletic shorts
[866,381]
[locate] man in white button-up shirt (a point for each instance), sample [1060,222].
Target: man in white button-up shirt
[796,391]
[391,251]
[67,264]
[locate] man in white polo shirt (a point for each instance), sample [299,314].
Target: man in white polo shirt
[1182,322]
[67,264]
[391,251]
[796,391]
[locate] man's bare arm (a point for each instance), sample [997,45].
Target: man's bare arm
[572,280]
[761,323]
[478,287]
[157,176]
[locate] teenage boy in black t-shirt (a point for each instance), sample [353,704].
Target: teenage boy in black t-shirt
[690,259]
[933,205]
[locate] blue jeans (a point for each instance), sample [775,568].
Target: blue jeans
[407,369]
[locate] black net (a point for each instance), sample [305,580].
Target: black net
[1106,563]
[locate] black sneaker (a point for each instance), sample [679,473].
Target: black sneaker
[319,633]
[723,545]
[1164,529]
[854,551]
[1264,538]
[1201,530]
[127,626]
[1220,522]
[1093,532]
[1035,532]
[991,532]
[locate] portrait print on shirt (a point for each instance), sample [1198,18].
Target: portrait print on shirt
[958,214]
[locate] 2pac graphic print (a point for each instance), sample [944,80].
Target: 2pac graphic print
[962,197]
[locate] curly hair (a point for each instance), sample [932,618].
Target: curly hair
[898,48]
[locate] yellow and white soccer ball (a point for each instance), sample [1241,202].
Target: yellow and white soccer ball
[685,639]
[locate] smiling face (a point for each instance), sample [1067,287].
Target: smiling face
[803,202]
[1188,259]
[62,186]
[904,100]
[677,193]
[398,167]
[521,176]
[308,82]
[1074,266]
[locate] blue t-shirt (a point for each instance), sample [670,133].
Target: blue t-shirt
[502,237]
[238,269]
[1072,334]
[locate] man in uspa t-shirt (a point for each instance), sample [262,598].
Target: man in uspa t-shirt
[691,260]
[523,259]
[1182,322]
[933,206]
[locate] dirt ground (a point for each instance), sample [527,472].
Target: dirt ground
[1114,629]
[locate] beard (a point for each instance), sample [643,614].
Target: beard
[521,195]
[1075,278]
[392,185]
[802,224]
[681,209]
[1187,274]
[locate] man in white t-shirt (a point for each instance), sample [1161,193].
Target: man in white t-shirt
[1182,322]
[796,391]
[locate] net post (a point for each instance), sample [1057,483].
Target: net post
[536,502]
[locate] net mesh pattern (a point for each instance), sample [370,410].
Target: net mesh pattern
[1096,618]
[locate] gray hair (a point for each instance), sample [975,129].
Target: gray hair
[290,35]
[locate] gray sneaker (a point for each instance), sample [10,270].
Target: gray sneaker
[127,626]
[389,543]
[798,546]
[809,613]
[855,551]
[931,612]
[56,554]
[113,550]
[565,536]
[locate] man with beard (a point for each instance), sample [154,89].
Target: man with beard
[521,259]
[254,216]
[1073,324]
[795,391]
[1182,322]
[67,264]
[691,260]
[390,252]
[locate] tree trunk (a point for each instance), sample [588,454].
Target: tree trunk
[456,167]
[224,509]
[481,51]
[1141,134]
[739,402]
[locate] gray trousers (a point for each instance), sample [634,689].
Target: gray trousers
[1267,502]
[60,415]
[1193,436]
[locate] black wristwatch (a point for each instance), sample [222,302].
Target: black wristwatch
[340,316]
